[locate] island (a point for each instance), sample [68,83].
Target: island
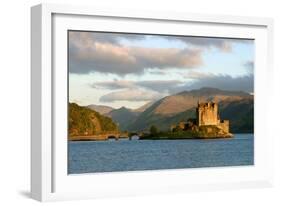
[206,125]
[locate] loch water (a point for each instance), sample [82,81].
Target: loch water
[138,155]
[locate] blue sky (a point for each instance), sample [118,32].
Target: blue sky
[130,70]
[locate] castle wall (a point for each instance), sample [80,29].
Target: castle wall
[224,125]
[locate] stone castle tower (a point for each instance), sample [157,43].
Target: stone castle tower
[207,114]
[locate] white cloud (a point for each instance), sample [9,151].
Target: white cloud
[115,84]
[88,53]
[198,75]
[154,85]
[134,95]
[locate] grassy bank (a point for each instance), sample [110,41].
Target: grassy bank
[184,135]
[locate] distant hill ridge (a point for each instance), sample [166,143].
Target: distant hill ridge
[237,106]
[100,108]
[123,116]
[213,91]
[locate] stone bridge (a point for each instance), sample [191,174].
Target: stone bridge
[100,137]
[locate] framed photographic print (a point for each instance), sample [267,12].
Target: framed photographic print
[133,102]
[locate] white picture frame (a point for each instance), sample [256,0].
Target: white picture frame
[49,179]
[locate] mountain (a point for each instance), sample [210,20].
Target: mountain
[84,121]
[123,116]
[144,107]
[182,101]
[240,113]
[100,108]
[179,107]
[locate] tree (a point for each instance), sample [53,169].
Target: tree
[177,129]
[153,130]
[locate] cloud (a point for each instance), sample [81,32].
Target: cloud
[223,44]
[157,72]
[195,75]
[196,80]
[153,90]
[103,37]
[154,85]
[224,82]
[160,85]
[103,52]
[134,95]
[115,84]
[91,52]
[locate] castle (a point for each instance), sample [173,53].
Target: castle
[207,114]
[207,122]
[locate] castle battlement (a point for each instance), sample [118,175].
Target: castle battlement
[207,104]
